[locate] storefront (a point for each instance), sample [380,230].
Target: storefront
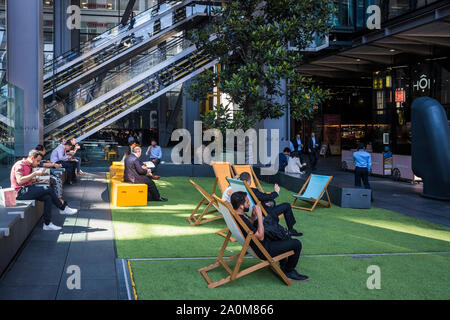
[395,89]
[385,119]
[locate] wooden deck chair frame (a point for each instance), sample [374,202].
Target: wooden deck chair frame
[218,168]
[236,273]
[196,219]
[239,168]
[313,202]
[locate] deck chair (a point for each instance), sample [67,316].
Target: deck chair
[239,168]
[238,185]
[316,186]
[233,222]
[196,219]
[222,170]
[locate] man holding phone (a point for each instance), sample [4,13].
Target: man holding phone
[24,181]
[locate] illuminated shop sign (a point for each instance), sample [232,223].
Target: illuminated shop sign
[399,95]
[378,83]
[422,84]
[388,81]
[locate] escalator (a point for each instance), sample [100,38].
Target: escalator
[114,47]
[162,73]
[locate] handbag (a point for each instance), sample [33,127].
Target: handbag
[7,197]
[273,230]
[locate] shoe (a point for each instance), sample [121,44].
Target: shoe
[81,173]
[155,177]
[294,275]
[162,199]
[295,233]
[69,211]
[51,227]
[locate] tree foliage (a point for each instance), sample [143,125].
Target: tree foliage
[251,44]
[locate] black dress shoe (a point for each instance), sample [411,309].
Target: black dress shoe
[295,233]
[162,199]
[294,275]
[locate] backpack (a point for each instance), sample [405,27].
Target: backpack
[273,230]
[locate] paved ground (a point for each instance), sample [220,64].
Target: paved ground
[402,197]
[86,241]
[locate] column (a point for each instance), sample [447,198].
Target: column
[25,68]
[64,38]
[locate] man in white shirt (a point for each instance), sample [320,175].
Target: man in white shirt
[226,196]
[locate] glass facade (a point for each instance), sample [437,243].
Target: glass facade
[400,86]
[351,15]
[97,16]
[3,56]
[10,97]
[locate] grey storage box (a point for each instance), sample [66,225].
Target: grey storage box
[356,198]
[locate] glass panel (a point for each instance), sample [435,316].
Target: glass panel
[3,41]
[105,83]
[148,32]
[92,23]
[10,96]
[398,7]
[344,16]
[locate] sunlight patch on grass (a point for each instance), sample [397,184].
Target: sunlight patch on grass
[402,227]
[133,231]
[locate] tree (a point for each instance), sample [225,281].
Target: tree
[251,43]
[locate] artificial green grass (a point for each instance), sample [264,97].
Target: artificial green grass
[402,277]
[161,229]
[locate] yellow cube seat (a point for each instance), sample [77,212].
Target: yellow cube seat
[124,194]
[116,168]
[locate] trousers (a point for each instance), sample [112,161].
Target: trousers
[283,208]
[362,174]
[70,169]
[45,194]
[275,248]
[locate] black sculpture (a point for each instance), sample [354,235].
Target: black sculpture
[430,147]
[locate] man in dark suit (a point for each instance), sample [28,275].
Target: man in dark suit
[268,202]
[313,146]
[136,172]
[297,145]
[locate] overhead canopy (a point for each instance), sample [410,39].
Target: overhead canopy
[424,36]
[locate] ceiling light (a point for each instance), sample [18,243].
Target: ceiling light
[391,50]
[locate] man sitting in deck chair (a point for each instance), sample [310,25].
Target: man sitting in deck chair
[241,204]
[268,202]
